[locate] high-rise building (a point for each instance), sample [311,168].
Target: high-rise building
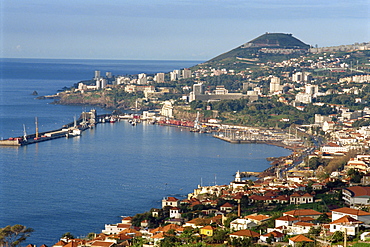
[302,77]
[97,74]
[186,73]
[142,79]
[159,78]
[198,89]
[312,89]
[108,75]
[275,84]
[175,75]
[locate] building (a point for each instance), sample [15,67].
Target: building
[101,83]
[297,198]
[170,201]
[186,73]
[303,213]
[312,89]
[175,75]
[159,78]
[241,224]
[97,74]
[303,98]
[354,213]
[142,79]
[198,89]
[221,90]
[302,77]
[275,85]
[346,223]
[167,109]
[207,230]
[297,240]
[245,234]
[356,196]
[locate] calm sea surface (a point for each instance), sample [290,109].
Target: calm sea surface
[77,185]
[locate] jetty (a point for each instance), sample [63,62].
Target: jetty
[87,120]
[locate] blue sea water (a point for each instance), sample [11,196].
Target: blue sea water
[77,185]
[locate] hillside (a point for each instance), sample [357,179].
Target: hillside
[267,47]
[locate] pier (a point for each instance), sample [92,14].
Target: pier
[86,120]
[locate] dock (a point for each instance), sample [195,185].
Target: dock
[87,120]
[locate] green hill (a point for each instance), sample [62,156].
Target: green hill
[267,47]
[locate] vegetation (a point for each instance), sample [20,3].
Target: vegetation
[11,236]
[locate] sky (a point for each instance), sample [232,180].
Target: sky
[170,30]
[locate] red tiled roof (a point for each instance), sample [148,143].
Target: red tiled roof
[359,191]
[246,233]
[227,205]
[300,223]
[346,220]
[287,218]
[276,234]
[172,199]
[302,212]
[352,211]
[300,238]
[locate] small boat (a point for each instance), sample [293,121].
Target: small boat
[112,120]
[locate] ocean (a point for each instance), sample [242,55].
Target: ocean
[79,184]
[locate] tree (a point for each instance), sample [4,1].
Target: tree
[68,235]
[11,236]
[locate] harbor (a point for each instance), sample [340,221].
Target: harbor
[87,120]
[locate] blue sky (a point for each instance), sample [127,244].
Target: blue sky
[173,30]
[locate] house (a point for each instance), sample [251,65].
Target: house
[294,241]
[102,244]
[303,213]
[317,186]
[207,230]
[126,220]
[297,198]
[157,237]
[227,207]
[354,213]
[244,234]
[61,243]
[170,201]
[257,218]
[278,236]
[115,228]
[175,213]
[356,196]
[301,227]
[241,224]
[346,223]
[285,220]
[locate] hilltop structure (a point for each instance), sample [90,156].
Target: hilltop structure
[268,44]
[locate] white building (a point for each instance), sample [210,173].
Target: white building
[167,109]
[303,98]
[354,213]
[175,75]
[301,77]
[159,78]
[241,224]
[275,84]
[142,79]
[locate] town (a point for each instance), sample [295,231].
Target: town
[313,101]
